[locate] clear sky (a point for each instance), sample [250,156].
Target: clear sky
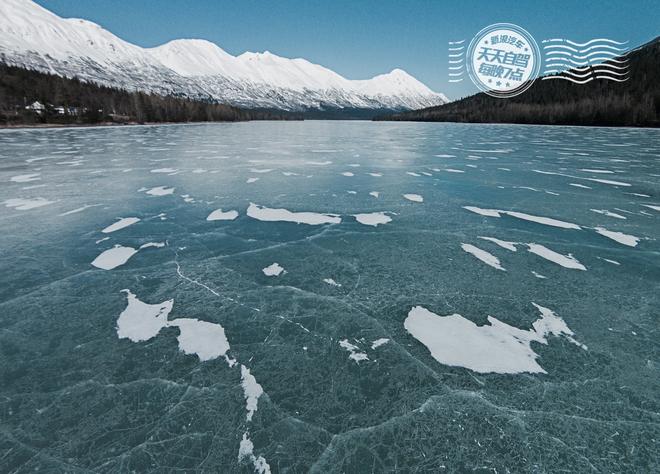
[362,38]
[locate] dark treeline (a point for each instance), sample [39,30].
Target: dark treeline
[635,102]
[70,101]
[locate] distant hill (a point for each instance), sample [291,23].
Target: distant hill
[635,102]
[33,98]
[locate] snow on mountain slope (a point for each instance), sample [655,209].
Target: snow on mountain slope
[35,38]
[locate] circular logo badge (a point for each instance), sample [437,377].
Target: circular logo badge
[503,60]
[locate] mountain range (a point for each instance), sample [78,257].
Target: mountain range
[34,38]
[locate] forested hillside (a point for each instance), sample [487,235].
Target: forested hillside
[635,102]
[29,97]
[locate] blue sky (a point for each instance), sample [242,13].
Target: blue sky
[362,38]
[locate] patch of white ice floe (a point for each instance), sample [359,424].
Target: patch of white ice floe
[496,347]
[160,191]
[120,224]
[119,255]
[651,206]
[620,237]
[502,243]
[356,355]
[318,163]
[25,178]
[376,175]
[272,215]
[379,342]
[374,194]
[252,180]
[331,282]
[141,322]
[164,170]
[607,213]
[246,452]
[21,204]
[566,261]
[414,197]
[373,218]
[273,269]
[251,391]
[347,173]
[220,215]
[486,257]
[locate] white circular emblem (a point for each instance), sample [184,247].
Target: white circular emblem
[503,60]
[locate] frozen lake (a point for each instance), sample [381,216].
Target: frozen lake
[330,297]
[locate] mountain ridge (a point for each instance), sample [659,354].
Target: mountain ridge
[35,38]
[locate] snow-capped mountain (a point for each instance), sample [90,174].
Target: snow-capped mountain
[35,38]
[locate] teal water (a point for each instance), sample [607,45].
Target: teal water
[75,397]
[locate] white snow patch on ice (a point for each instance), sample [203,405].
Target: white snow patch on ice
[356,355]
[220,215]
[141,321]
[331,282]
[120,224]
[252,180]
[204,339]
[379,342]
[374,194]
[486,257]
[251,391]
[414,197]
[273,269]
[26,178]
[347,173]
[160,191]
[272,215]
[502,243]
[21,204]
[114,257]
[566,261]
[607,213]
[625,239]
[373,218]
[496,347]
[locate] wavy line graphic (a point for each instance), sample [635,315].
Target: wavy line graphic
[581,45]
[586,74]
[584,50]
[564,65]
[580,63]
[607,54]
[586,80]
